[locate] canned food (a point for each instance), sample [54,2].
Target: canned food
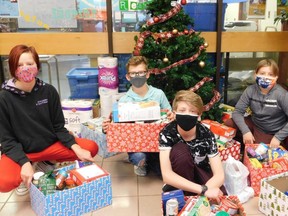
[172,207]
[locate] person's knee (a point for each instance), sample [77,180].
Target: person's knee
[138,158]
[91,146]
[5,185]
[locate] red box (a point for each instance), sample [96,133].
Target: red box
[233,150]
[133,137]
[87,174]
[256,174]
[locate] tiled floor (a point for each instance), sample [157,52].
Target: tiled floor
[132,195]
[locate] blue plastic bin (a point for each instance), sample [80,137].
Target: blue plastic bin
[83,83]
[204,15]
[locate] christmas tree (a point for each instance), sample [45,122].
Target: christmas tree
[176,54]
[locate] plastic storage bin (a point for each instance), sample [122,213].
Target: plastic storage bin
[83,83]
[204,15]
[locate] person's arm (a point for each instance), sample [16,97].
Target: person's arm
[240,109]
[283,133]
[58,121]
[10,146]
[217,179]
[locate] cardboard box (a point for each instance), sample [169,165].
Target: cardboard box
[136,111]
[133,137]
[100,138]
[272,200]
[257,174]
[178,194]
[74,201]
[200,206]
[219,129]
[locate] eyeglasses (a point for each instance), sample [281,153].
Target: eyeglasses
[139,73]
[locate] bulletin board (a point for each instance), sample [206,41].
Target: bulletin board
[9,8]
[47,14]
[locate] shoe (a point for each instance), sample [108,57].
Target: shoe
[21,190]
[140,170]
[44,166]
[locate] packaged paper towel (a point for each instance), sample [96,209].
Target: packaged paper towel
[108,74]
[75,113]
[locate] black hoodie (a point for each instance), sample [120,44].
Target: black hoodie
[31,121]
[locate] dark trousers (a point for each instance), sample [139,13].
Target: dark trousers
[183,164]
[258,135]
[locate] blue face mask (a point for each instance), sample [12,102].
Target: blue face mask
[263,82]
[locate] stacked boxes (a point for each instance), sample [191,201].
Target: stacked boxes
[83,83]
[79,200]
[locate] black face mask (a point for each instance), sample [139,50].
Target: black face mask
[186,121]
[138,81]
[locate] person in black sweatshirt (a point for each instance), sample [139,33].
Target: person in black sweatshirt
[32,123]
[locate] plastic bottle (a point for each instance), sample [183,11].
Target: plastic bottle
[60,179]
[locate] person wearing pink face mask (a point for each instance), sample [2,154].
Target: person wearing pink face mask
[268,102]
[32,124]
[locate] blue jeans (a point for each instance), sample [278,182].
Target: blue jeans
[137,158]
[148,159]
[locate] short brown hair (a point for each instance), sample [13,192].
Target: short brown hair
[136,60]
[268,62]
[15,54]
[189,97]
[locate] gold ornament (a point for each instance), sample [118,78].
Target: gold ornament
[165,59]
[206,44]
[174,31]
[201,64]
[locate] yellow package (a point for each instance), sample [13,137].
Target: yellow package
[255,163]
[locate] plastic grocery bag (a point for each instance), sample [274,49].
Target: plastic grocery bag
[236,176]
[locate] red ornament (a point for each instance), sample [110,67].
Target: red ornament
[183,2]
[186,32]
[156,19]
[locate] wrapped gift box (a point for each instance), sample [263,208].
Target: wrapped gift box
[272,200]
[256,174]
[133,137]
[136,111]
[233,150]
[97,136]
[82,199]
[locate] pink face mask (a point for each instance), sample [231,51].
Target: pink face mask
[26,73]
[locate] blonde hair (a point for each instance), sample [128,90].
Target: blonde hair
[135,61]
[268,62]
[189,97]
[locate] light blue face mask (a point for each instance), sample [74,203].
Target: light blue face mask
[263,82]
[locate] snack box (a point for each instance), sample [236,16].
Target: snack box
[136,111]
[79,200]
[258,173]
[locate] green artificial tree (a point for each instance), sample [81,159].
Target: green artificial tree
[176,53]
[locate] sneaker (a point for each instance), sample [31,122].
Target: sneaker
[140,170]
[44,166]
[21,190]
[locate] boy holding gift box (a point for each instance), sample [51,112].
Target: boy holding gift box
[268,102]
[137,75]
[189,156]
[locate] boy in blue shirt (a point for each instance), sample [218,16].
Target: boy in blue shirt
[137,75]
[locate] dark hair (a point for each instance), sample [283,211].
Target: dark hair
[15,54]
